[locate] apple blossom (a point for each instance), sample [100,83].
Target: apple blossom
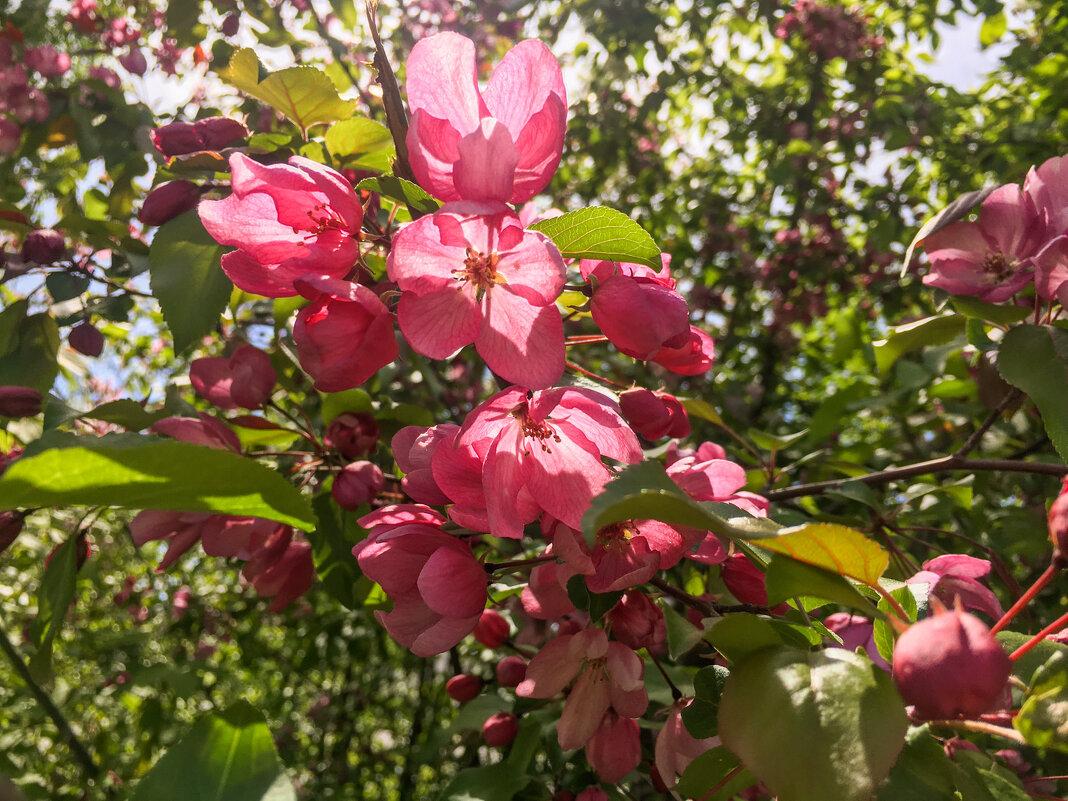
[357,483]
[469,273]
[245,379]
[614,749]
[352,434]
[675,747]
[953,578]
[503,144]
[654,414]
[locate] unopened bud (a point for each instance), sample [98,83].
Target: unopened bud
[86,339]
[1058,526]
[654,414]
[357,484]
[463,688]
[43,246]
[510,671]
[20,402]
[352,434]
[167,201]
[491,630]
[10,527]
[500,729]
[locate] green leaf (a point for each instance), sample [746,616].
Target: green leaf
[303,94]
[695,407]
[682,635]
[1024,668]
[979,778]
[11,320]
[839,549]
[413,196]
[601,233]
[740,634]
[54,597]
[31,362]
[707,771]
[993,28]
[124,412]
[184,272]
[332,542]
[996,313]
[361,144]
[351,400]
[1034,358]
[813,725]
[226,756]
[143,472]
[905,595]
[1043,718]
[913,336]
[787,578]
[64,286]
[922,772]
[700,717]
[498,782]
[773,442]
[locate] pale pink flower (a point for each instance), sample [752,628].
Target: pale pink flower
[675,747]
[503,144]
[469,273]
[286,220]
[1051,270]
[637,307]
[544,453]
[716,479]
[856,632]
[991,258]
[607,675]
[545,596]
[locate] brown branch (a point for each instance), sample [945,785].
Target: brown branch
[391,98]
[947,464]
[973,441]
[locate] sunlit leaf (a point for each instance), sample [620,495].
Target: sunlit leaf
[601,233]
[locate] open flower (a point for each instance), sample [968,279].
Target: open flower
[470,273]
[503,144]
[285,220]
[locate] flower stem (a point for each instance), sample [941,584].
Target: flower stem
[1059,623]
[1025,599]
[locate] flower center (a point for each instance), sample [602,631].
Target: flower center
[538,430]
[996,265]
[480,270]
[616,535]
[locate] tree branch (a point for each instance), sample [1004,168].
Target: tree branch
[391,98]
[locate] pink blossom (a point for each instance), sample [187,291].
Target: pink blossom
[244,380]
[637,307]
[607,675]
[413,447]
[1051,270]
[286,220]
[200,430]
[654,414]
[543,452]
[637,622]
[545,596]
[345,335]
[283,569]
[437,586]
[856,632]
[236,537]
[614,749]
[357,483]
[470,273]
[718,480]
[501,145]
[954,577]
[990,258]
[1047,186]
[47,61]
[492,630]
[675,747]
[692,358]
[352,434]
[180,530]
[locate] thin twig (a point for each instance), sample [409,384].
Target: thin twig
[391,98]
[946,464]
[980,727]
[973,441]
[81,754]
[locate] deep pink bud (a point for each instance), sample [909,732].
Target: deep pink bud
[213,133]
[244,380]
[231,24]
[20,402]
[86,339]
[463,688]
[950,665]
[693,358]
[744,580]
[500,729]
[654,414]
[511,670]
[10,527]
[43,246]
[592,794]
[167,201]
[216,133]
[133,61]
[637,622]
[615,749]
[175,139]
[357,484]
[345,335]
[492,629]
[352,434]
[47,61]
[1058,524]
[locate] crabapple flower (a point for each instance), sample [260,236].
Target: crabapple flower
[180,530]
[285,220]
[607,675]
[614,750]
[492,630]
[345,335]
[675,747]
[543,453]
[692,358]
[1047,186]
[282,569]
[1051,270]
[352,434]
[437,585]
[357,483]
[211,133]
[954,577]
[545,596]
[715,479]
[469,273]
[654,414]
[626,294]
[200,430]
[991,258]
[856,632]
[413,447]
[244,380]
[637,622]
[503,144]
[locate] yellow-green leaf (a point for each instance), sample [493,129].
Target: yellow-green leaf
[838,549]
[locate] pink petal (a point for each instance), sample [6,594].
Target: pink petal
[453,583]
[442,80]
[585,707]
[440,323]
[212,380]
[486,166]
[533,268]
[520,342]
[268,280]
[433,148]
[551,669]
[505,474]
[958,564]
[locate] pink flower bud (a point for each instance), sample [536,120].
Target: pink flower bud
[637,622]
[43,246]
[492,629]
[352,434]
[20,402]
[614,750]
[212,133]
[133,61]
[357,484]
[592,794]
[693,358]
[463,688]
[1058,524]
[500,729]
[744,580]
[950,665]
[654,414]
[10,527]
[244,380]
[47,61]
[511,670]
[86,339]
[231,24]
[10,136]
[167,201]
